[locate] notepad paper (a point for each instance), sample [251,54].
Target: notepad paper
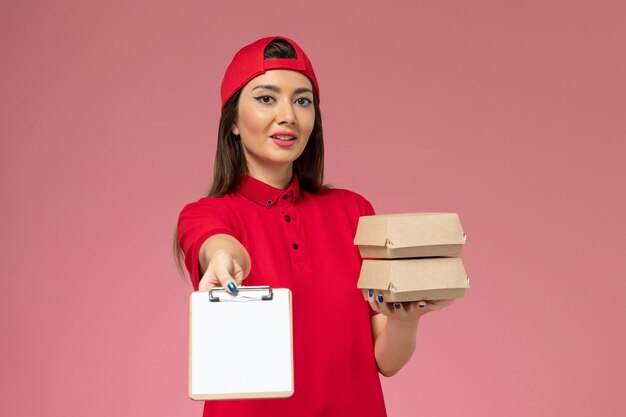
[240,348]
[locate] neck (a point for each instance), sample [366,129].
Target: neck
[277,178]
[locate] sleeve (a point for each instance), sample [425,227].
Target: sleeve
[196,223]
[366,209]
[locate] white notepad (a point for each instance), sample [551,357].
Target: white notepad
[241,346]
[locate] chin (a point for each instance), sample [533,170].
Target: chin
[286,156]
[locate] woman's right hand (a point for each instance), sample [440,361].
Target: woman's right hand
[223,271]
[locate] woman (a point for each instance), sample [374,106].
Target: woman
[268,219]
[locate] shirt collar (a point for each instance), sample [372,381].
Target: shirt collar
[266,195]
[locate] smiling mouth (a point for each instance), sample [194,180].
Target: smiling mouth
[283,138]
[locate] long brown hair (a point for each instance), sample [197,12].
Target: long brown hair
[230,163]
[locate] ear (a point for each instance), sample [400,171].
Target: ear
[234,129]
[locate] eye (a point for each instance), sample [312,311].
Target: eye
[264,99]
[303,101]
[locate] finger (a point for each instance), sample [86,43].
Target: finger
[375,306]
[384,307]
[439,304]
[398,308]
[208,281]
[237,273]
[204,285]
[372,301]
[420,307]
[226,280]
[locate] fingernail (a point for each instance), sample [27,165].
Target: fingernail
[380,298]
[232,287]
[397,305]
[371,293]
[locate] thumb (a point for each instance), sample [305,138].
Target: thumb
[237,272]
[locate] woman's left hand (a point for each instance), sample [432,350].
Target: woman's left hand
[394,331]
[405,311]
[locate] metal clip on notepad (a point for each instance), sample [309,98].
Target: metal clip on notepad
[261,293]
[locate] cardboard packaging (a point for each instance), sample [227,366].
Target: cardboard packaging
[414,279]
[409,235]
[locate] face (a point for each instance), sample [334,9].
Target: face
[275,118]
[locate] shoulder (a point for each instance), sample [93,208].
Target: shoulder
[207,206]
[347,198]
[208,215]
[343,194]
[210,202]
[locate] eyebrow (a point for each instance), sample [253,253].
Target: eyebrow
[277,90]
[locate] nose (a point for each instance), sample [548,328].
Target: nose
[285,113]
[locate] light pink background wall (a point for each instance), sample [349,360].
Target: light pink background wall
[511,113]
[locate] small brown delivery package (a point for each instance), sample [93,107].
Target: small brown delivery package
[415,256]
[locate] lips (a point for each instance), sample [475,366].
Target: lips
[284,136]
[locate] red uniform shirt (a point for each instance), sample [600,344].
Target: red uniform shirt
[304,242]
